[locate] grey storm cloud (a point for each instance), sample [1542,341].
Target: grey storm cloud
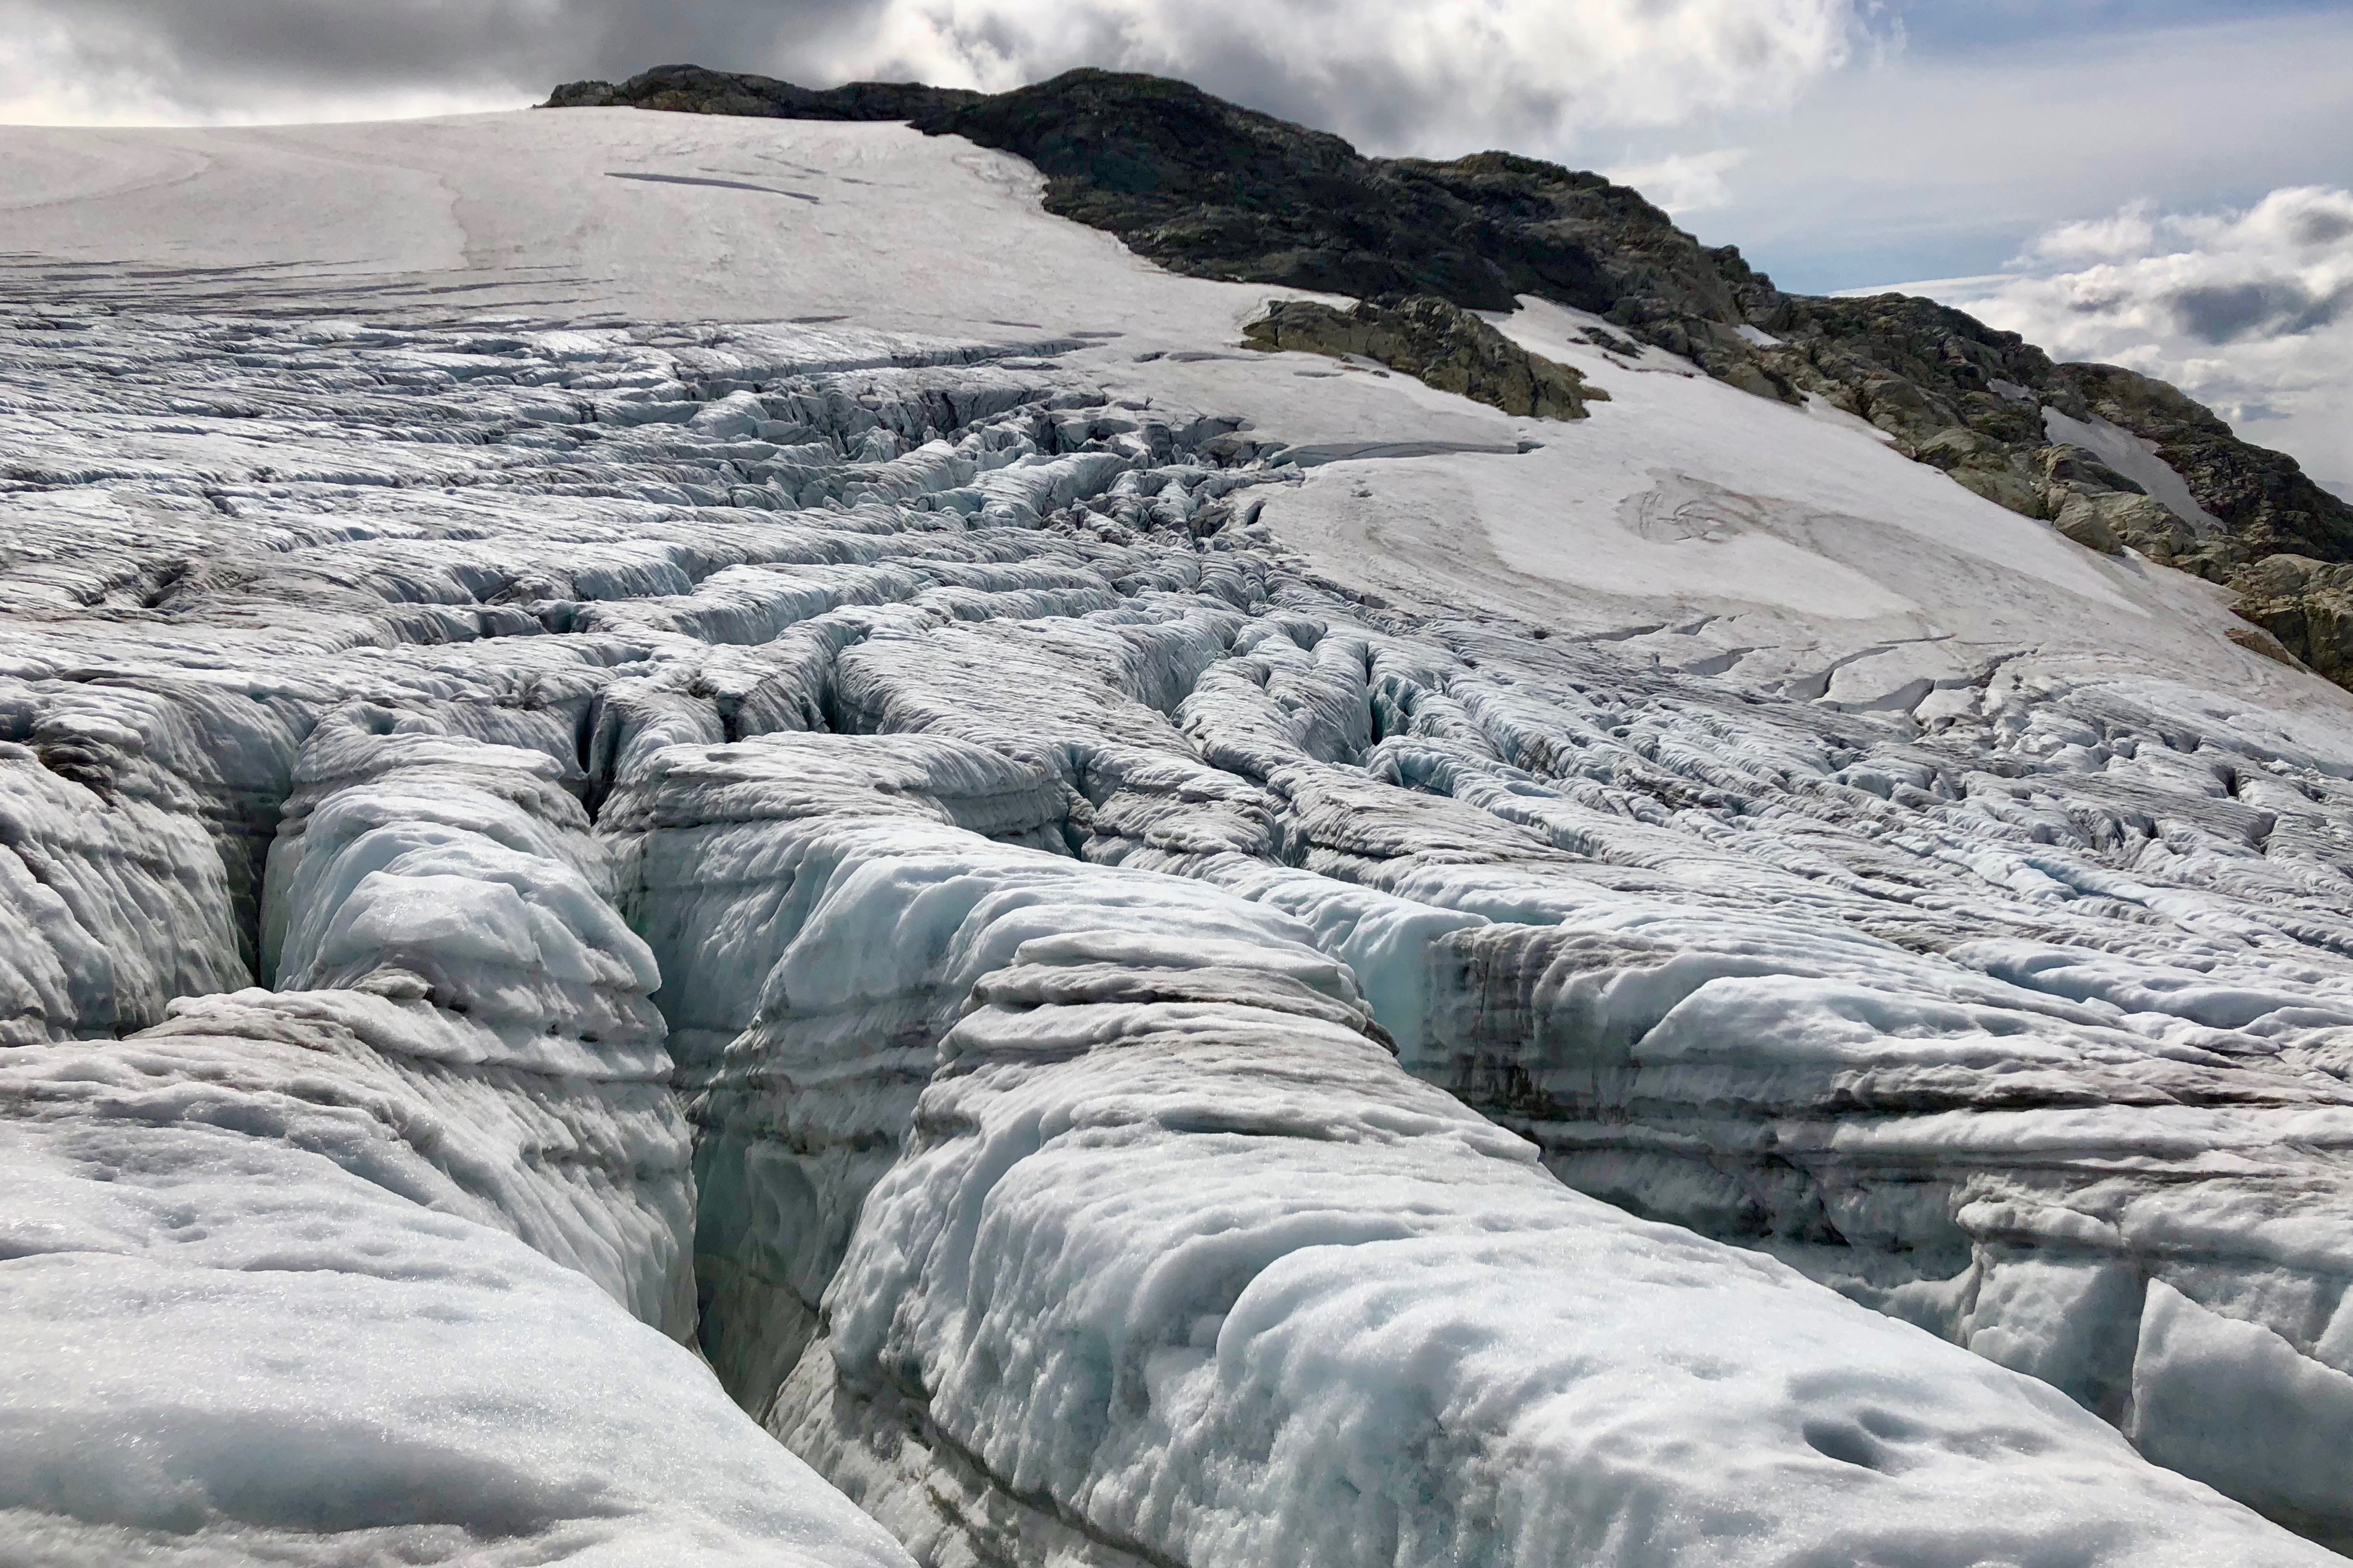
[2317,227]
[208,55]
[1424,75]
[2271,307]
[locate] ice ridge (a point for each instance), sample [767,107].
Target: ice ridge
[1176,1265]
[1110,1042]
[381,1266]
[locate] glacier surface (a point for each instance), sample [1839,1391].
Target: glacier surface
[1153,953]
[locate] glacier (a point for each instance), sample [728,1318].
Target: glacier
[995,929]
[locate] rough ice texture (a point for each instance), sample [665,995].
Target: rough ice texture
[347,1272]
[1781,841]
[1179,1266]
[259,1308]
[135,822]
[456,880]
[799,1081]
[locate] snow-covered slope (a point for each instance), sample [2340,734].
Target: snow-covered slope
[670,639]
[1685,501]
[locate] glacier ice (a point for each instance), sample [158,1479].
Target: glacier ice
[1177,1265]
[266,1302]
[969,882]
[456,877]
[380,1267]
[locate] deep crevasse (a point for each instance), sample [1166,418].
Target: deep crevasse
[2023,1025]
[1175,1263]
[348,1269]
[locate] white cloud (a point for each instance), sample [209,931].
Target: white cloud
[2129,232]
[2250,310]
[1428,76]
[1686,183]
[1438,76]
[1937,163]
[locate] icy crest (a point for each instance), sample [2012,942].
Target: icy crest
[1178,1265]
[347,1271]
[420,865]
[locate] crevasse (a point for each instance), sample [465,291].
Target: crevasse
[1113,1047]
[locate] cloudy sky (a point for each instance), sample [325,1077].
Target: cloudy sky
[2159,183]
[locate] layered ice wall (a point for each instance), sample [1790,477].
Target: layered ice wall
[382,1266]
[866,694]
[132,828]
[457,880]
[800,1076]
[1176,1265]
[263,1304]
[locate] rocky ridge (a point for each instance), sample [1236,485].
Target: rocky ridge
[1209,189]
[1437,342]
[690,89]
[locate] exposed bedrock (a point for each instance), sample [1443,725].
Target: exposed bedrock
[690,89]
[2308,605]
[1435,342]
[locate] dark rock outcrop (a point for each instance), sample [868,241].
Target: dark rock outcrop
[690,89]
[2307,605]
[1206,187]
[1441,343]
[1209,189]
[2267,501]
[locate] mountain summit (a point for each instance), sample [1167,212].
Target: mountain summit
[1206,187]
